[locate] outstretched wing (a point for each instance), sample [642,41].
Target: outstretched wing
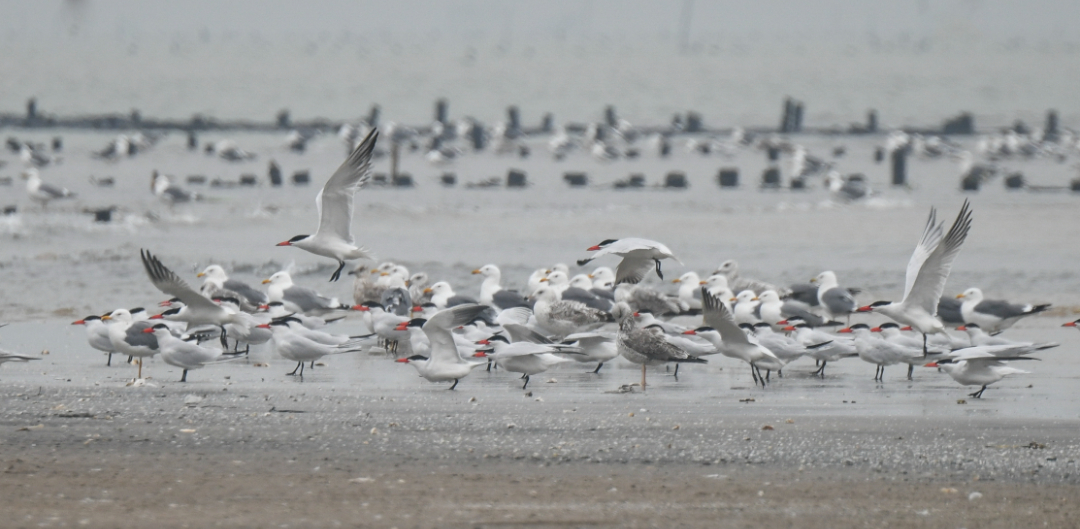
[632,271]
[930,280]
[931,236]
[168,282]
[437,329]
[717,316]
[335,201]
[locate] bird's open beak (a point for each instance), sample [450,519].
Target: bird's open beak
[477,271]
[845,329]
[691,331]
[931,364]
[592,248]
[265,281]
[865,309]
[402,360]
[200,274]
[148,330]
[286,243]
[959,296]
[427,290]
[106,317]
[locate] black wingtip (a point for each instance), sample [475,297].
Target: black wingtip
[583,262]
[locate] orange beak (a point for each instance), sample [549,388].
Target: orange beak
[286,243]
[360,308]
[845,329]
[876,329]
[80,322]
[479,354]
[691,331]
[789,328]
[905,328]
[402,326]
[156,317]
[402,360]
[782,322]
[931,364]
[964,328]
[264,326]
[148,330]
[165,303]
[1070,324]
[592,248]
[484,342]
[865,309]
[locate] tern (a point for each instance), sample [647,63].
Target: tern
[978,369]
[526,358]
[445,363]
[334,237]
[177,352]
[639,256]
[927,272]
[97,334]
[731,341]
[198,309]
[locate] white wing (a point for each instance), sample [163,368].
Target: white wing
[931,236]
[632,271]
[929,282]
[437,329]
[335,200]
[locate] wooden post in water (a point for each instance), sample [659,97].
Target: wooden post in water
[610,117]
[899,166]
[547,124]
[513,127]
[1050,131]
[373,116]
[395,155]
[442,108]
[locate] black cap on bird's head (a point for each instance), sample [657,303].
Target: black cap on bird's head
[228,299]
[416,322]
[136,310]
[285,320]
[859,326]
[496,338]
[762,325]
[150,330]
[413,358]
[602,244]
[872,306]
[290,242]
[745,326]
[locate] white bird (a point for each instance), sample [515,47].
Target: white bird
[443,296]
[776,311]
[881,352]
[127,336]
[162,187]
[731,341]
[97,334]
[299,349]
[445,362]
[41,192]
[492,293]
[980,337]
[827,347]
[198,309]
[564,317]
[977,369]
[639,256]
[384,324]
[689,294]
[603,277]
[994,315]
[835,301]
[927,272]
[526,358]
[218,284]
[595,347]
[297,298]
[334,237]
[177,352]
[747,308]
[730,270]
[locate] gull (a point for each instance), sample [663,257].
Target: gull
[218,284]
[127,336]
[417,283]
[642,346]
[97,334]
[384,324]
[692,347]
[595,347]
[926,274]
[831,348]
[688,289]
[535,280]
[198,309]
[299,349]
[162,187]
[526,358]
[564,317]
[730,270]
[980,337]
[43,193]
[948,310]
[443,296]
[334,237]
[994,315]
[834,300]
[177,352]
[580,289]
[747,308]
[717,285]
[646,299]
[603,277]
[492,293]
[297,298]
[978,369]
[445,363]
[639,256]
[731,341]
[365,279]
[776,311]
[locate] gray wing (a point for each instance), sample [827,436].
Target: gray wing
[53,191]
[717,316]
[591,301]
[757,286]
[654,346]
[1001,309]
[605,293]
[305,298]
[643,298]
[805,293]
[135,337]
[170,283]
[397,300]
[632,271]
[577,313]
[255,297]
[438,328]
[948,309]
[454,301]
[506,299]
[839,301]
[521,333]
[335,201]
[175,194]
[792,310]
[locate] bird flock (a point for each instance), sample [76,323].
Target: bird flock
[557,318]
